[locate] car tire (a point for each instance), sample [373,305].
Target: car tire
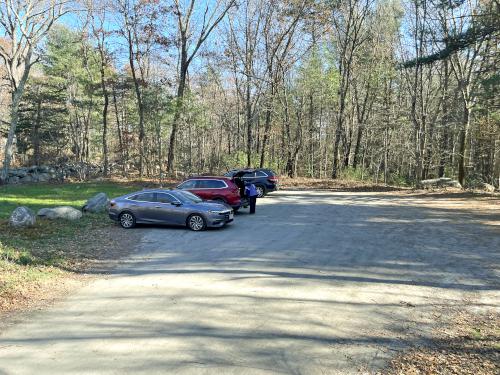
[127,220]
[196,223]
[261,191]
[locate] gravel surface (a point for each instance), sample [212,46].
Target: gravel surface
[317,282]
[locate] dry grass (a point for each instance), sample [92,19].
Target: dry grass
[468,344]
[337,184]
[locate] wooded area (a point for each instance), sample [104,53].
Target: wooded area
[391,90]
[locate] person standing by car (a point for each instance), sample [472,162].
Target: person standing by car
[251,193]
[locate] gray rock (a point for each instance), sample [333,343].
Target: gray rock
[22,217]
[43,177]
[454,183]
[13,180]
[487,187]
[19,172]
[26,179]
[441,182]
[62,212]
[97,203]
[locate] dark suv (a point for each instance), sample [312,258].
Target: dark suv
[220,189]
[265,180]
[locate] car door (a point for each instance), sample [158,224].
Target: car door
[212,189]
[169,210]
[143,206]
[261,177]
[249,177]
[193,186]
[202,189]
[187,185]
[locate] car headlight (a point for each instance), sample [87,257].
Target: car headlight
[217,212]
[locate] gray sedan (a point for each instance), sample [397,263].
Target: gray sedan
[173,207]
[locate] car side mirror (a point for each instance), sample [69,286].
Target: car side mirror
[176,203]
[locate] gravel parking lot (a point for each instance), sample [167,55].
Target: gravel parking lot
[316,282]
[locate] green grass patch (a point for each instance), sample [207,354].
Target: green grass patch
[37,196]
[47,243]
[476,334]
[29,256]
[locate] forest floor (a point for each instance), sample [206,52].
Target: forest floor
[43,264]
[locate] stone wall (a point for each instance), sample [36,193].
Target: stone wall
[46,173]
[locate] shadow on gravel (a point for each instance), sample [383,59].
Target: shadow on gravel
[344,238]
[314,283]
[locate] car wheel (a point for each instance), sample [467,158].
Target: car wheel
[261,191]
[127,220]
[196,222]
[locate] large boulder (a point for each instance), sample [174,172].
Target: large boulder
[441,182]
[19,172]
[26,180]
[22,217]
[486,187]
[97,203]
[13,180]
[43,177]
[62,212]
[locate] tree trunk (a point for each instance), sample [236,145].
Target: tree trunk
[248,107]
[336,156]
[120,134]
[16,95]
[461,144]
[177,113]
[444,123]
[140,106]
[357,146]
[9,152]
[267,128]
[35,137]
[340,121]
[104,119]
[14,119]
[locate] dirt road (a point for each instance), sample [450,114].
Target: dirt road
[316,283]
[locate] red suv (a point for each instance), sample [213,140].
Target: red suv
[220,189]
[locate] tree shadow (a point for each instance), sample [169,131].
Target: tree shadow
[314,282]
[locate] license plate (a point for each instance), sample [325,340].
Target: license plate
[231,215]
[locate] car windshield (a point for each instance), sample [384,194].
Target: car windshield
[186,196]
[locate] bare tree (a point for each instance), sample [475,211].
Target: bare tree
[98,18]
[464,64]
[23,23]
[349,21]
[279,31]
[188,48]
[245,29]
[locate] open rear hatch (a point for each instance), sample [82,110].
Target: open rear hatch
[238,180]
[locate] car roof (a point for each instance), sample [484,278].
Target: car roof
[157,190]
[251,170]
[207,178]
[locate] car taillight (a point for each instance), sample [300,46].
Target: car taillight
[273,179]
